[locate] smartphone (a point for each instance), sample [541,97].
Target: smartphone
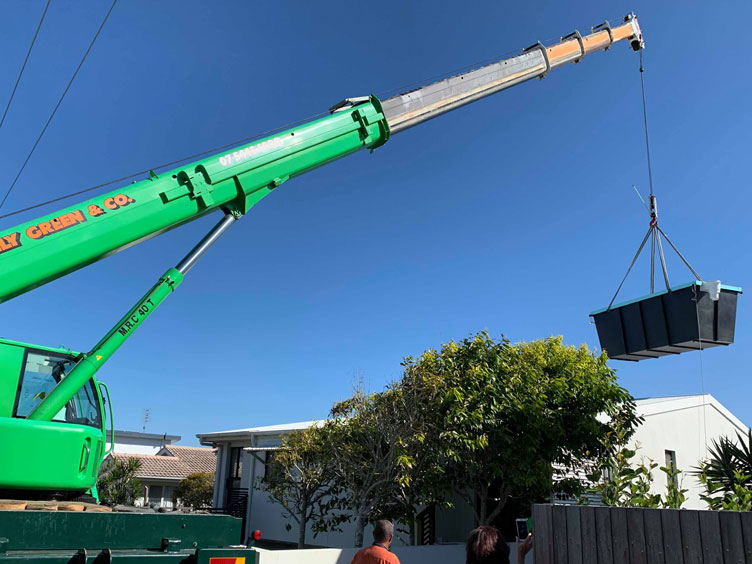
[522,528]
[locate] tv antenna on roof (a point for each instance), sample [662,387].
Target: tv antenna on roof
[147,414]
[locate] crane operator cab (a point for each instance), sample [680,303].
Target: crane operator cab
[42,459]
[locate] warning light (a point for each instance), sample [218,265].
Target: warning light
[256,535]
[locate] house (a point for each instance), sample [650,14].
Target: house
[676,430]
[134,442]
[161,472]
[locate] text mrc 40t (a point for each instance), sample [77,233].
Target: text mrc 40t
[52,415]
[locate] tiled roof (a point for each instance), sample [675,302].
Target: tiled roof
[197,458]
[173,462]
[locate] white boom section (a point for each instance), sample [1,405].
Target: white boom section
[427,102]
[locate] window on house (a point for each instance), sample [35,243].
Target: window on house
[236,462]
[671,465]
[155,494]
[270,468]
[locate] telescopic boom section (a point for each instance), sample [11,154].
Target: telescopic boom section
[419,105]
[39,251]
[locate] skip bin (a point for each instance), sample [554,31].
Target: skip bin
[681,319]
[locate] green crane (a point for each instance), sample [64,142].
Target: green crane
[52,416]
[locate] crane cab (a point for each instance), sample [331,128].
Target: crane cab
[39,457]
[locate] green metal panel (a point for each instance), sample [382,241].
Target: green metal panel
[11,358]
[46,248]
[59,350]
[48,455]
[61,530]
[200,556]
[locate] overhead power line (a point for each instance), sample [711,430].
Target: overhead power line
[57,106]
[26,60]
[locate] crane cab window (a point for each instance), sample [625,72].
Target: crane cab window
[41,373]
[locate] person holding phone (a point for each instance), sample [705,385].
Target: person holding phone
[486,545]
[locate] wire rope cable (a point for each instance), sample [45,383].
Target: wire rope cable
[26,60]
[645,119]
[704,447]
[57,106]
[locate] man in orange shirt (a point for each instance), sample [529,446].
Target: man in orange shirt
[378,552]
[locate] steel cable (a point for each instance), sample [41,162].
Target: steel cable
[57,106]
[26,60]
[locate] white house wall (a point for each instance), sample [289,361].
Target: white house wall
[267,516]
[138,446]
[684,428]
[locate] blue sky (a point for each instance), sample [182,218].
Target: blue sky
[514,215]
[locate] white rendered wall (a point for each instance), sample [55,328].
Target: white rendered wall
[137,446]
[267,516]
[434,554]
[685,426]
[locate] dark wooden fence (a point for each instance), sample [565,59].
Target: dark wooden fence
[572,534]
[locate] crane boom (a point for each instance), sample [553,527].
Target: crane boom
[39,251]
[52,414]
[432,100]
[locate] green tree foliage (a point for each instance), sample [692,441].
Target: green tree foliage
[727,474]
[675,494]
[625,484]
[385,451]
[300,480]
[196,490]
[481,418]
[509,414]
[363,456]
[420,478]
[117,483]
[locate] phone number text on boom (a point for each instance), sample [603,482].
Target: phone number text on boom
[250,152]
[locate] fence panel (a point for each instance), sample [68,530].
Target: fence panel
[746,519]
[560,534]
[620,534]
[731,537]
[572,534]
[604,539]
[636,533]
[653,536]
[543,537]
[588,531]
[672,538]
[710,532]
[689,522]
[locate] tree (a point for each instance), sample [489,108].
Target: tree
[420,479]
[117,483]
[196,490]
[511,414]
[362,458]
[300,480]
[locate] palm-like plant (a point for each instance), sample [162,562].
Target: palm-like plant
[727,458]
[728,470]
